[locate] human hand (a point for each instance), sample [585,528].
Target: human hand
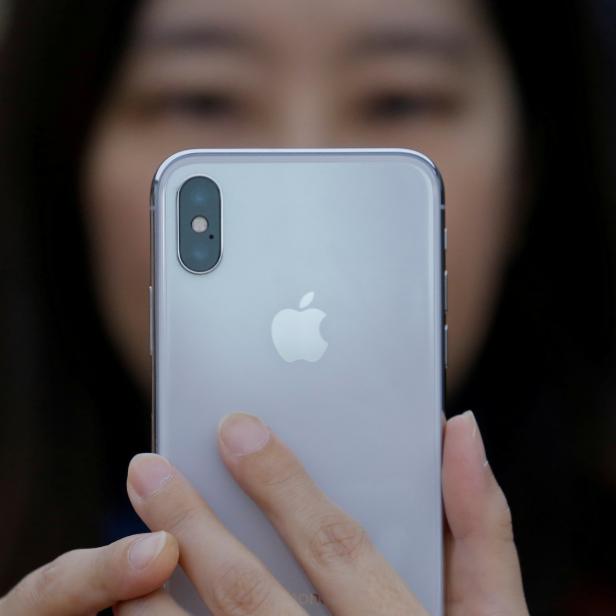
[352,578]
[84,582]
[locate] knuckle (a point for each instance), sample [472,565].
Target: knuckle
[338,540]
[46,581]
[39,585]
[242,590]
[269,472]
[180,519]
[53,584]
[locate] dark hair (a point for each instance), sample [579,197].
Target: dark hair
[540,387]
[543,387]
[67,404]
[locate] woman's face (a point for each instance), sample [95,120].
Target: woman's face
[429,75]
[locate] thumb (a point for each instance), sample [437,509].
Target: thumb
[483,571]
[87,581]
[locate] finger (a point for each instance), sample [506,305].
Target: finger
[88,581]
[351,576]
[228,577]
[158,603]
[483,568]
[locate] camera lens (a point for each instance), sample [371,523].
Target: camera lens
[196,191]
[199,210]
[199,224]
[200,253]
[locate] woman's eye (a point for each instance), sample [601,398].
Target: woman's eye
[199,106]
[400,106]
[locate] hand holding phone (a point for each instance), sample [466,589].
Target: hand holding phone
[483,572]
[350,576]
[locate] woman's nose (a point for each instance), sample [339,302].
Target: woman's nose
[305,119]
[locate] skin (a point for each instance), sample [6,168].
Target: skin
[425,74]
[84,582]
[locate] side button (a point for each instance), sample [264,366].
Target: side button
[445,291]
[446,346]
[445,239]
[151,319]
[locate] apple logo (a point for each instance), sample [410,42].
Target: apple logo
[296,333]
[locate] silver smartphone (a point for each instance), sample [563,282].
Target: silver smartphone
[307,287]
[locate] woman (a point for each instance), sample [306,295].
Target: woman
[97,95]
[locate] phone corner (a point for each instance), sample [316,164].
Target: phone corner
[430,167]
[168,164]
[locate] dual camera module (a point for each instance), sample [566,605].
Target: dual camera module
[200,225]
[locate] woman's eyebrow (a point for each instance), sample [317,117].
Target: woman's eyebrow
[202,37]
[448,44]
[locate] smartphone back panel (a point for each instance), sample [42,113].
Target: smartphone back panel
[324,317]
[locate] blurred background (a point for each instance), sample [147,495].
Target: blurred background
[515,103]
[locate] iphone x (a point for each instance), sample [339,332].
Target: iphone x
[307,287]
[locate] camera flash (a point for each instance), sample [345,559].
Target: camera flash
[199,224]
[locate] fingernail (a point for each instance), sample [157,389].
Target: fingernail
[148,473]
[143,551]
[242,434]
[476,436]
